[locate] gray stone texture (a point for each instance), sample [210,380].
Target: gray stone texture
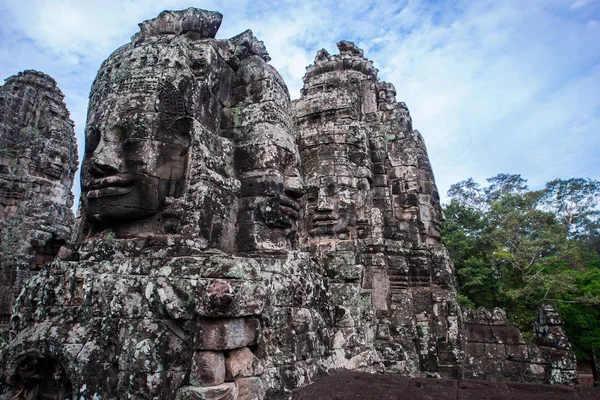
[371,216]
[496,351]
[38,159]
[233,244]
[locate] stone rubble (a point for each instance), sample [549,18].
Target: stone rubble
[233,244]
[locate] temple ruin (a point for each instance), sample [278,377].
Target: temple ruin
[234,244]
[38,159]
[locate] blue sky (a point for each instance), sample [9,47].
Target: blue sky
[509,86]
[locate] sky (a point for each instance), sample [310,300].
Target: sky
[510,86]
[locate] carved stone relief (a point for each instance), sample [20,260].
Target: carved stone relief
[232,243]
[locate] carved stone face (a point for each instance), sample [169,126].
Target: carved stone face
[53,164]
[134,159]
[283,188]
[334,207]
[268,167]
[270,173]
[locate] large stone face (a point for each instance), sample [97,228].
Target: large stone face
[154,150]
[188,135]
[38,159]
[233,244]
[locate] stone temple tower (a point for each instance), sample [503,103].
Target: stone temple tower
[372,211]
[232,244]
[38,159]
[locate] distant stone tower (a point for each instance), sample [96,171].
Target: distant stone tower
[38,159]
[372,217]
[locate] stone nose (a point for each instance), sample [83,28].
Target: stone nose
[294,187]
[324,202]
[106,160]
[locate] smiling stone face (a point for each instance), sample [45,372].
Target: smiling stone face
[269,170]
[135,158]
[333,208]
[267,160]
[335,165]
[193,137]
[153,146]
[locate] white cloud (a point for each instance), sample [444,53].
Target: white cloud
[580,3]
[493,86]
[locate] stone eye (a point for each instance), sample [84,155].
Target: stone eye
[92,139]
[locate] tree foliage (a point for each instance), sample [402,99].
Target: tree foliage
[575,202]
[517,248]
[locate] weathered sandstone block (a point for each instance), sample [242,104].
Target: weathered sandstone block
[241,363]
[226,334]
[208,368]
[226,391]
[250,388]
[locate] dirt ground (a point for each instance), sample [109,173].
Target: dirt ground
[349,385]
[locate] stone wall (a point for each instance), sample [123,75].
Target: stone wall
[38,159]
[497,351]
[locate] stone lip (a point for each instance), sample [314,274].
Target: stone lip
[205,23]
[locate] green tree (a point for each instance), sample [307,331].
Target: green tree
[469,193]
[580,311]
[516,248]
[525,242]
[575,202]
[463,237]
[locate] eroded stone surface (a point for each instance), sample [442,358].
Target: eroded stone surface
[234,244]
[226,391]
[496,351]
[38,159]
[208,368]
[241,363]
[250,388]
[371,216]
